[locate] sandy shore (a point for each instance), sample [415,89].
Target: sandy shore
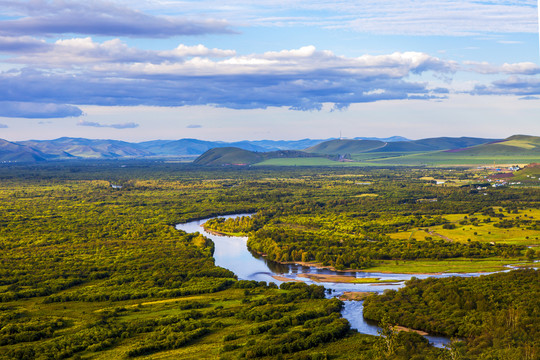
[403,328]
[344,279]
[283,278]
[355,295]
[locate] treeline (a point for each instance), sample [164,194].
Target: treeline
[345,241]
[496,316]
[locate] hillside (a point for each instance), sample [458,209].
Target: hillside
[519,149]
[236,156]
[406,146]
[228,156]
[517,145]
[11,152]
[191,147]
[345,146]
[433,144]
[66,147]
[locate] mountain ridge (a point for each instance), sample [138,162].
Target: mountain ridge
[69,148]
[349,151]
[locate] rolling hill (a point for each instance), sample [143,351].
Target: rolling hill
[66,148]
[228,156]
[363,146]
[520,149]
[12,152]
[431,152]
[345,146]
[191,147]
[520,145]
[237,156]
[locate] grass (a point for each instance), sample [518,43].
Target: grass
[315,161]
[443,158]
[80,314]
[437,158]
[483,232]
[459,265]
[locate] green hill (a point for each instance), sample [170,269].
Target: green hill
[517,145]
[333,147]
[345,146]
[530,175]
[433,144]
[228,156]
[237,156]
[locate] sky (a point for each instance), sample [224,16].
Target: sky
[234,70]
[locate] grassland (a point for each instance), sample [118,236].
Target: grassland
[481,228]
[311,162]
[436,159]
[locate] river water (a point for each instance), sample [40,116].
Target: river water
[231,253]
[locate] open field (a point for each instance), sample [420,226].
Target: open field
[445,158]
[482,228]
[315,161]
[414,159]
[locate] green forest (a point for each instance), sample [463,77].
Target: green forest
[92,267]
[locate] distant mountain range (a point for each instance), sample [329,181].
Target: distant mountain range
[66,148]
[253,152]
[441,151]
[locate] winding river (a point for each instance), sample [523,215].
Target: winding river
[232,253]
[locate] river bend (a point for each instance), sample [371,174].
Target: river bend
[231,252]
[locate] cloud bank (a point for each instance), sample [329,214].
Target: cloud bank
[37,110]
[46,18]
[129,125]
[48,76]
[81,71]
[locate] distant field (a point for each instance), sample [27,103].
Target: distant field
[408,159]
[316,161]
[381,155]
[445,158]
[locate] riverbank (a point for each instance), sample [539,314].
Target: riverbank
[412,267]
[355,295]
[342,279]
[231,253]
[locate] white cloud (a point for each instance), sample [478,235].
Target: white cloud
[182,51]
[128,125]
[83,71]
[49,17]
[522,68]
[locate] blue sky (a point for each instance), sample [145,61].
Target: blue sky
[168,69]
